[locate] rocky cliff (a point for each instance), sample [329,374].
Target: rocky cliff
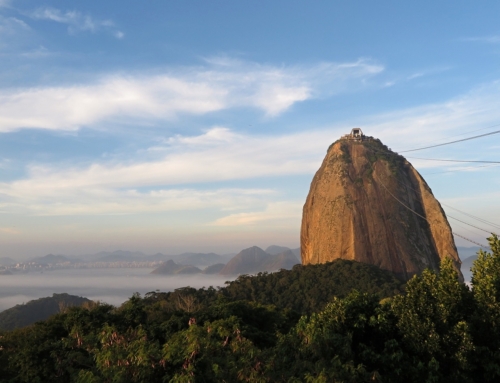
[358,208]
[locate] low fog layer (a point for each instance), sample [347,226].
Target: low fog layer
[112,286]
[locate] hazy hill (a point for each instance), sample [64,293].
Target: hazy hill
[156,257]
[119,255]
[466,252]
[247,261]
[37,310]
[188,258]
[200,259]
[254,260]
[214,269]
[468,255]
[284,260]
[188,269]
[167,268]
[171,268]
[51,259]
[6,261]
[274,249]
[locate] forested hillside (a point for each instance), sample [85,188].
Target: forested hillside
[37,310]
[307,289]
[437,330]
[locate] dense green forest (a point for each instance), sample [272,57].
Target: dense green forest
[340,322]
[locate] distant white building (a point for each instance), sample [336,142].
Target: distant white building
[356,134]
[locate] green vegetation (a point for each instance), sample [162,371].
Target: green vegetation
[307,289]
[37,310]
[278,328]
[379,151]
[346,156]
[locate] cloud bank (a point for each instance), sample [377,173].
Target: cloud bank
[222,154]
[76,21]
[219,85]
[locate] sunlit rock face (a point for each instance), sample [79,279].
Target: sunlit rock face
[358,209]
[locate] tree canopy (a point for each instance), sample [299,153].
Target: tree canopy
[435,329]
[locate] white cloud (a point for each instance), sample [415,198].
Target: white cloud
[102,201]
[492,39]
[219,154]
[274,214]
[161,97]
[36,53]
[437,123]
[415,75]
[14,34]
[222,154]
[458,168]
[68,108]
[76,21]
[10,26]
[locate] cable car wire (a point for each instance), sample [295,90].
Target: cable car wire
[451,142]
[472,216]
[421,216]
[461,170]
[438,159]
[464,133]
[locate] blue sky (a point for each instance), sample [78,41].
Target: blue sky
[197,126]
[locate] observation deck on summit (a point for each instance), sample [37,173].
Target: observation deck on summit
[356,134]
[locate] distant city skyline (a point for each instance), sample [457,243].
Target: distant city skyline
[198,126]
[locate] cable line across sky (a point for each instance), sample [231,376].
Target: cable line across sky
[454,218]
[451,142]
[446,160]
[473,216]
[467,169]
[465,133]
[424,218]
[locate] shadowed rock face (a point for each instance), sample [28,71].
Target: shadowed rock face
[351,214]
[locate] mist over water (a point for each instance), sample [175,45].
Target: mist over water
[113,286]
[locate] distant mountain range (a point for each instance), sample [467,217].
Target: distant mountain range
[468,255]
[200,260]
[254,260]
[51,259]
[248,261]
[172,268]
